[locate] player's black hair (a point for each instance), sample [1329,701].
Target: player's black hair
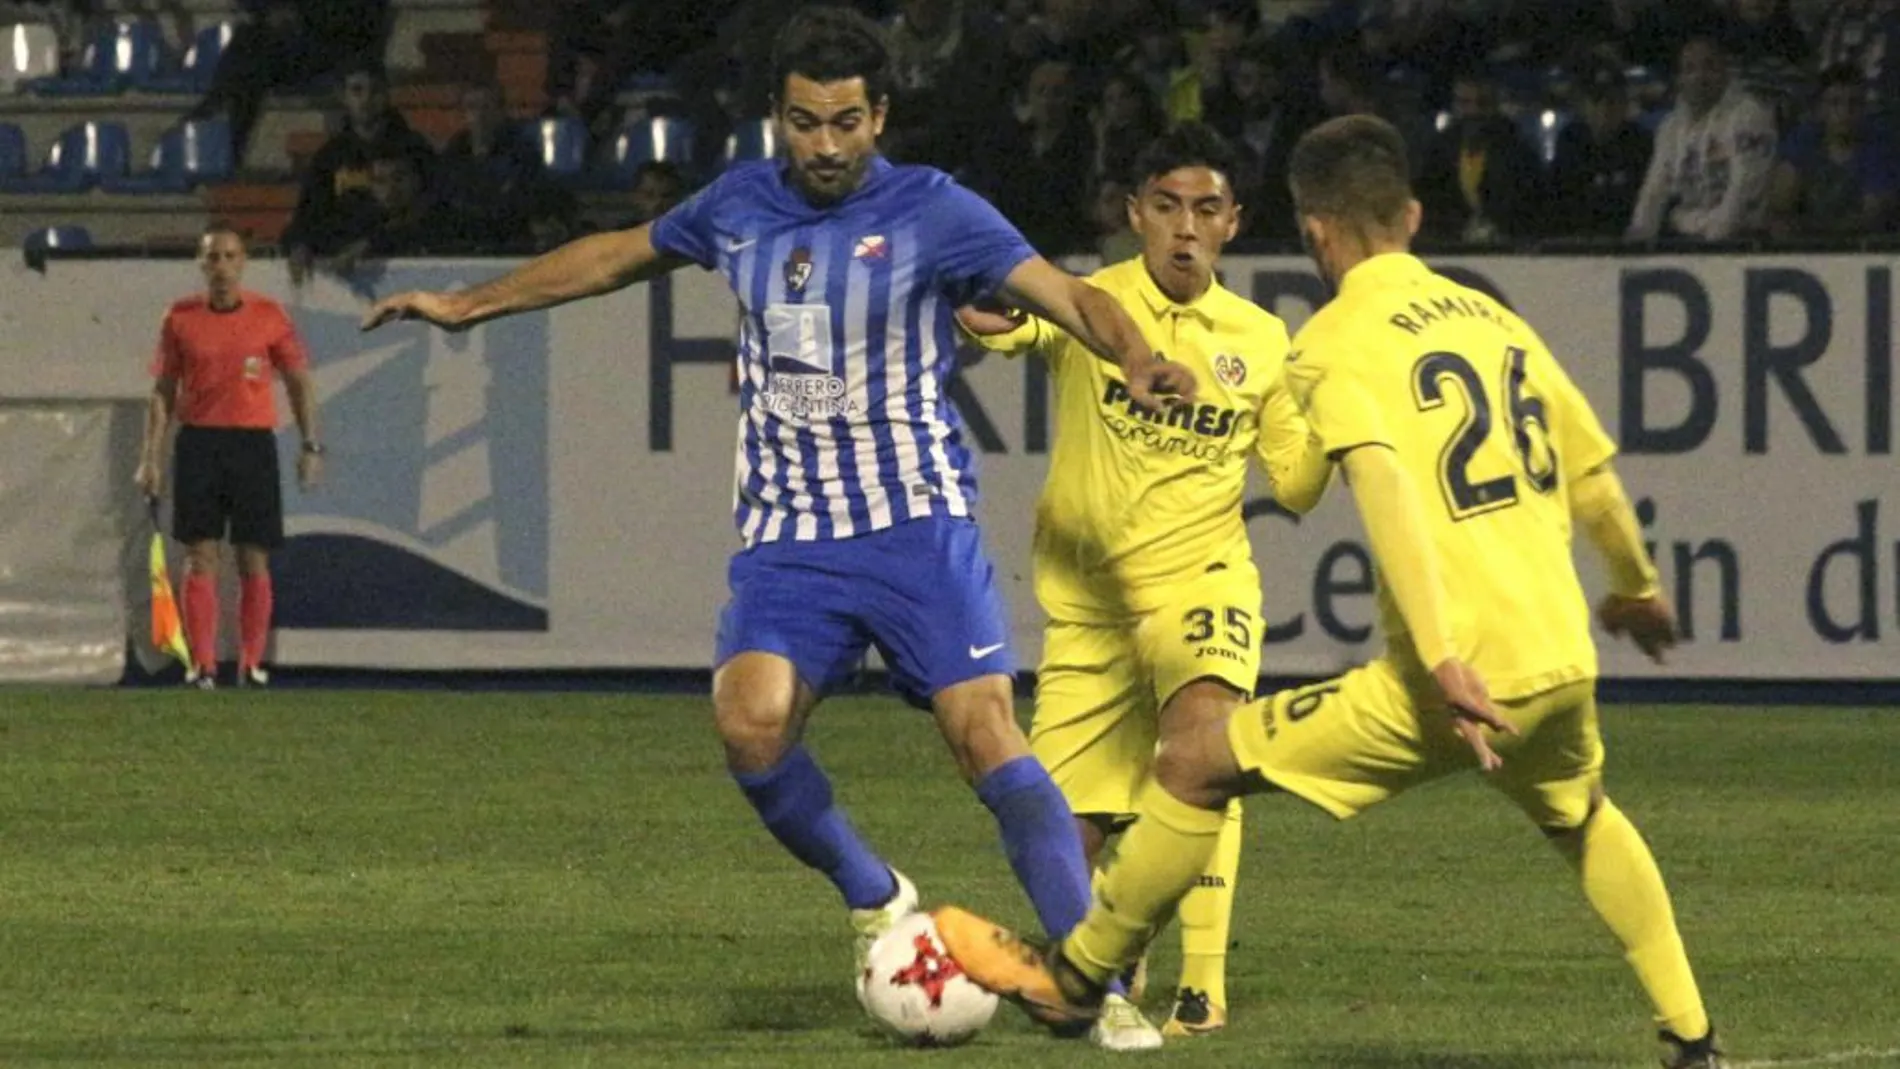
[827,43]
[1190,144]
[1352,168]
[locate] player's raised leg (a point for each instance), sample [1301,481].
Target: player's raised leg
[1178,822]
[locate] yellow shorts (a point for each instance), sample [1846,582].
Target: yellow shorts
[1352,742]
[1100,688]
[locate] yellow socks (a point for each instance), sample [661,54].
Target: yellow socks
[1156,862]
[1622,882]
[1207,914]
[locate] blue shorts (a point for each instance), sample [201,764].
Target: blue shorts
[922,592]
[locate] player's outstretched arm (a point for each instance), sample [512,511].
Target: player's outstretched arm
[1394,519]
[1635,605]
[1095,319]
[585,267]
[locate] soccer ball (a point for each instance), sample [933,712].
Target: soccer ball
[914,989]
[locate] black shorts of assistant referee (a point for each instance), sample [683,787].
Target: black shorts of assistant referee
[227,486]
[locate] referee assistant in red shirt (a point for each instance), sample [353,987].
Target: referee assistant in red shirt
[216,355]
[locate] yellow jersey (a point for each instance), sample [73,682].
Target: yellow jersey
[1491,431]
[1138,501]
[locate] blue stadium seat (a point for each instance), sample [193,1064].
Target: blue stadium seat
[186,157]
[752,139]
[12,150]
[117,57]
[645,140]
[561,143]
[194,70]
[82,156]
[59,237]
[641,141]
[28,52]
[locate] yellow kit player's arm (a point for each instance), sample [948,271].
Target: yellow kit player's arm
[1394,519]
[1296,462]
[1007,331]
[1602,509]
[1598,504]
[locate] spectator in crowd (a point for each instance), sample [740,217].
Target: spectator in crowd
[1260,117]
[1865,35]
[1228,26]
[1350,84]
[499,182]
[336,208]
[590,46]
[1124,120]
[657,187]
[1429,37]
[1838,172]
[1708,178]
[1478,180]
[1155,52]
[1771,53]
[1600,161]
[1653,32]
[1038,170]
[286,44]
[412,219]
[946,81]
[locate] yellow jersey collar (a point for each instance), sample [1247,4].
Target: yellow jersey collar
[1160,304]
[1383,270]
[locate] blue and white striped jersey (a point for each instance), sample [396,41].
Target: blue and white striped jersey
[847,341]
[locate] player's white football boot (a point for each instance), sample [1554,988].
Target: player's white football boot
[1122,1028]
[871,923]
[254,676]
[196,680]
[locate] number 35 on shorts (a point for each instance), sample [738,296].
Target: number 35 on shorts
[1225,631]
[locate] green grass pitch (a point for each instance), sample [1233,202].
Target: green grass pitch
[431,878]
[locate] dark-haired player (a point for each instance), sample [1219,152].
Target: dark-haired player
[1142,562]
[856,492]
[1470,455]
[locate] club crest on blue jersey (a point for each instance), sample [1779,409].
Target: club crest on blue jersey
[1230,369]
[798,269]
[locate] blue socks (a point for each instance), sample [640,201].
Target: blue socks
[1040,838]
[794,799]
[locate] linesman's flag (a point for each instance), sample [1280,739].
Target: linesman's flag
[168,630]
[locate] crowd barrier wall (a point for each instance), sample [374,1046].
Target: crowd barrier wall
[553,491]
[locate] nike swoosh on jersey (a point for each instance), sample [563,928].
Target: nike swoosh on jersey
[977,653]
